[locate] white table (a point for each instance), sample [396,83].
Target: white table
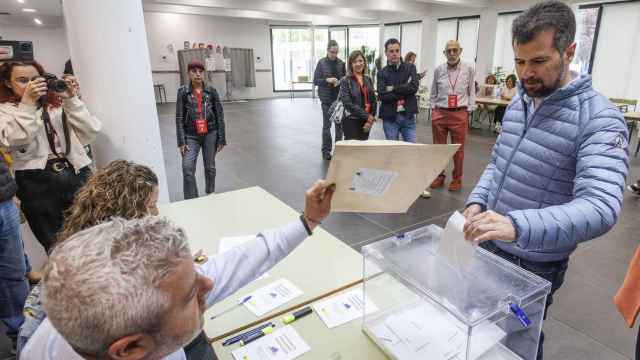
[321,264]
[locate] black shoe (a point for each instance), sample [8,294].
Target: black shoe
[326,156]
[634,188]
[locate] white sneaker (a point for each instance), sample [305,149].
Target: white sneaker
[426,194]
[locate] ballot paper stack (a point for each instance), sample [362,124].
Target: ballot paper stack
[440,297]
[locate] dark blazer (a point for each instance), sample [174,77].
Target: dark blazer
[405,82]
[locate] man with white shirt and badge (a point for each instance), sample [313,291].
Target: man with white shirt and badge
[129,289]
[453,98]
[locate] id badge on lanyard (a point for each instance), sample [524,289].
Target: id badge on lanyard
[201,123]
[452,99]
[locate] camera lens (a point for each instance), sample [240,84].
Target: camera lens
[57,85]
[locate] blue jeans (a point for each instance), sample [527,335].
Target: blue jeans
[400,125]
[14,287]
[209,144]
[551,271]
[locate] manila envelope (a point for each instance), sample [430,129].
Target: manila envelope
[384,176]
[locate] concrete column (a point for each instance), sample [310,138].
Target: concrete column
[108,46]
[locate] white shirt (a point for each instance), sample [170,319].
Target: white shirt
[455,81]
[229,271]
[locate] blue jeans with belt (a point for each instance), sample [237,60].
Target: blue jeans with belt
[14,287]
[401,124]
[551,271]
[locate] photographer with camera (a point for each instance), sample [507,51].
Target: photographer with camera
[51,167]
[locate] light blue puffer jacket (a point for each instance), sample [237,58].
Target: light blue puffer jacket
[560,175]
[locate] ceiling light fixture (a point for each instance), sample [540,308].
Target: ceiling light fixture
[29,10]
[37,21]
[21,1]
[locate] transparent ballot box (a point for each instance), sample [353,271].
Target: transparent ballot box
[422,305]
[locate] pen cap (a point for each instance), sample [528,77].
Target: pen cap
[288,319]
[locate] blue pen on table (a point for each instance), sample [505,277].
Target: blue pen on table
[235,339]
[242,302]
[520,314]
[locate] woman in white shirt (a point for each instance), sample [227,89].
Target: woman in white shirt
[52,167]
[507,92]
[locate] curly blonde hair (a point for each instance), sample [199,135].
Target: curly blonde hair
[121,189]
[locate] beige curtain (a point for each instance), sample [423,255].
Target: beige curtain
[243,71]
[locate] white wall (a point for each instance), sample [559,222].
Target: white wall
[164,29]
[49,44]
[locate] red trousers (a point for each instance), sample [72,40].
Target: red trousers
[455,122]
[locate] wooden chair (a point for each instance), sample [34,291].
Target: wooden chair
[624,105]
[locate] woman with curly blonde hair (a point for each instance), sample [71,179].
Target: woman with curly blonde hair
[122,189]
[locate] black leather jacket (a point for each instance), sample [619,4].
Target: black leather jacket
[353,99]
[186,113]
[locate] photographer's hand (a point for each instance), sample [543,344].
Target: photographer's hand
[183,149]
[35,89]
[71,87]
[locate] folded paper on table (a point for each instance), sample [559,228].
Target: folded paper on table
[271,296]
[283,344]
[343,308]
[384,176]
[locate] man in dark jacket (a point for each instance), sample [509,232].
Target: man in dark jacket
[199,124]
[14,287]
[328,73]
[398,84]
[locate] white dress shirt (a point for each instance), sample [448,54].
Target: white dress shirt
[229,271]
[455,81]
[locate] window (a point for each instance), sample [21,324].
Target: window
[615,66]
[293,59]
[585,34]
[411,35]
[367,37]
[503,51]
[339,34]
[321,38]
[465,30]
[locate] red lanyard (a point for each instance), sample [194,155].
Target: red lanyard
[453,85]
[365,92]
[199,101]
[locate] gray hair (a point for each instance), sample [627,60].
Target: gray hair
[544,16]
[101,283]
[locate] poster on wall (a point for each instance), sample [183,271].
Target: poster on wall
[210,64]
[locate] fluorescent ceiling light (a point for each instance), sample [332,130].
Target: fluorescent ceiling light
[37,21]
[21,1]
[28,10]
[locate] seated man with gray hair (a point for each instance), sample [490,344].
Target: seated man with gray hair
[129,289]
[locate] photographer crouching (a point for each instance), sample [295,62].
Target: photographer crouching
[50,168]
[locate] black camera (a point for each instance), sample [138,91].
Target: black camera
[16,50]
[53,83]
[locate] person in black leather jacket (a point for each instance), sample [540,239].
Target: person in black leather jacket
[357,94]
[199,124]
[328,71]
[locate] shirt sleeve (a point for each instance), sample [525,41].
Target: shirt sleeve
[237,267]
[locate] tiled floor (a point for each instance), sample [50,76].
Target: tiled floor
[275,144]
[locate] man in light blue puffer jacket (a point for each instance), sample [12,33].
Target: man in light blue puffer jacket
[558,169]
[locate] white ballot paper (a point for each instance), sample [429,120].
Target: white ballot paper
[424,332]
[343,308]
[453,247]
[228,243]
[384,176]
[283,344]
[271,296]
